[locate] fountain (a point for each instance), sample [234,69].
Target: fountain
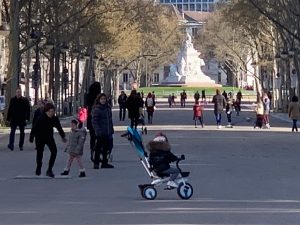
[187,71]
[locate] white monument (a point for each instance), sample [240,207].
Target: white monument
[187,70]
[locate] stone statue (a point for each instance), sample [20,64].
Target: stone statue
[173,70]
[188,65]
[188,41]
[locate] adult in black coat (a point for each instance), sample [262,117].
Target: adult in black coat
[18,113]
[103,125]
[42,131]
[94,91]
[133,104]
[122,105]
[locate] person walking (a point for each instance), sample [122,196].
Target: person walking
[18,113]
[196,96]
[94,91]
[183,97]
[42,132]
[294,112]
[39,111]
[75,147]
[122,105]
[266,102]
[170,101]
[229,108]
[203,96]
[173,99]
[150,103]
[238,102]
[197,109]
[219,105]
[259,113]
[133,104]
[103,125]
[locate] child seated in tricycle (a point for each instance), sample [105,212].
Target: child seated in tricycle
[160,158]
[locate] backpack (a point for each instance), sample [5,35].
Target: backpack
[149,102]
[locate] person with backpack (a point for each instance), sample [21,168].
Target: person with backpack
[150,103]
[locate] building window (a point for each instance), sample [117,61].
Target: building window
[192,7]
[156,77]
[185,7]
[194,31]
[211,7]
[198,7]
[204,7]
[125,77]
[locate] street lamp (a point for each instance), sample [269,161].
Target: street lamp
[146,65]
[35,37]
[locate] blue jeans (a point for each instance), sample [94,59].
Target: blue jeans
[295,125]
[174,172]
[218,118]
[12,135]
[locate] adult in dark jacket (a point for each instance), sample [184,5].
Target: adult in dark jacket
[94,91]
[150,103]
[18,113]
[38,112]
[133,104]
[122,105]
[42,131]
[103,126]
[219,105]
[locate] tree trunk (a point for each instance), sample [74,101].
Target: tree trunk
[56,77]
[14,54]
[51,76]
[27,74]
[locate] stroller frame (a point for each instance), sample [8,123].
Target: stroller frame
[148,191]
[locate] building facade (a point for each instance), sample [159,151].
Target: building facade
[193,5]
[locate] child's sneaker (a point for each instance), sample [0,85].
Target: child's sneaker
[172,184]
[82,174]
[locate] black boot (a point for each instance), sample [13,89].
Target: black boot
[96,166]
[38,170]
[106,165]
[82,174]
[65,173]
[50,173]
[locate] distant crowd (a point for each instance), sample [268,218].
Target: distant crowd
[97,116]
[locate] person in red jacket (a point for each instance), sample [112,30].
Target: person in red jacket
[197,108]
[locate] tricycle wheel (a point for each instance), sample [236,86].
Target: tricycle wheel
[185,191]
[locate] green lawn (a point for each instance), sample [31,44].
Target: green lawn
[165,91]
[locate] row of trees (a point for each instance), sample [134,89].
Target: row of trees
[120,32]
[243,31]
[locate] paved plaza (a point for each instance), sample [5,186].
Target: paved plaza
[240,176]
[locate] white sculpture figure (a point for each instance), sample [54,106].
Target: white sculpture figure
[188,41]
[173,70]
[188,68]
